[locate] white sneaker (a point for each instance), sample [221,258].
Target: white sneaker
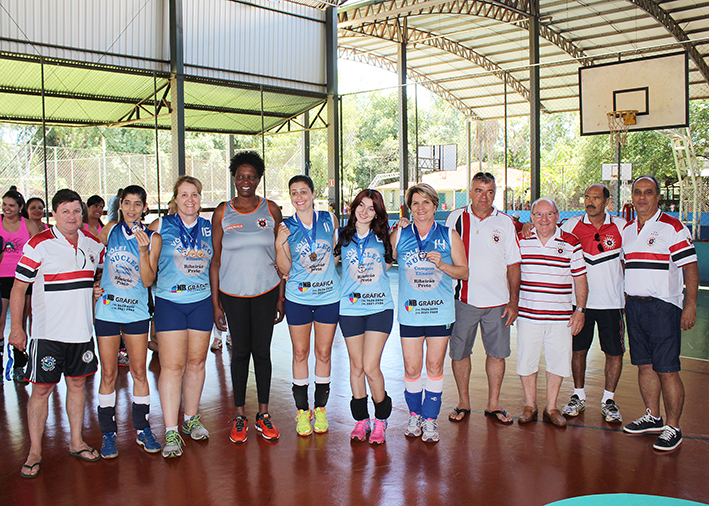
[413,428]
[430,431]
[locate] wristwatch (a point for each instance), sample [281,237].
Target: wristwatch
[582,309]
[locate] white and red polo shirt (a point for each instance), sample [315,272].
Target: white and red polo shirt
[602,251]
[63,277]
[654,257]
[546,290]
[491,246]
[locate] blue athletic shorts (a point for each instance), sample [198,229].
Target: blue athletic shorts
[302,314]
[105,329]
[654,333]
[171,316]
[427,331]
[358,325]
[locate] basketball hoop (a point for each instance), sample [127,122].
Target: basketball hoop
[618,123]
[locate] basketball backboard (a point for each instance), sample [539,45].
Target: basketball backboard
[656,87]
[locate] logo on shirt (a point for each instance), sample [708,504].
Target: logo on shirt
[560,250]
[48,363]
[235,226]
[496,236]
[87,357]
[354,297]
[261,222]
[410,304]
[652,240]
[106,299]
[303,287]
[609,242]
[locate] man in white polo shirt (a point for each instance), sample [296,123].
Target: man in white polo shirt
[600,236]
[488,298]
[657,249]
[552,267]
[61,263]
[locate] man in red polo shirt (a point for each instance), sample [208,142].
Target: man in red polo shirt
[600,236]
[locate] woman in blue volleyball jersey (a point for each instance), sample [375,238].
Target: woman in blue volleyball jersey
[366,309]
[183,312]
[304,252]
[429,255]
[129,269]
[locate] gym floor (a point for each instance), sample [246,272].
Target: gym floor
[476,461]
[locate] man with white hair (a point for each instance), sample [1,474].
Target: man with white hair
[552,263]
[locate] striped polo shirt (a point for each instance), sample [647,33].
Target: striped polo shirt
[547,271]
[491,246]
[63,277]
[654,257]
[602,251]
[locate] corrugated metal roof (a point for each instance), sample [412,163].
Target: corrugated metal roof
[464,50]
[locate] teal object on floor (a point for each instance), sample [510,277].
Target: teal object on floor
[624,499]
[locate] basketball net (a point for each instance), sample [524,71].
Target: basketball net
[618,123]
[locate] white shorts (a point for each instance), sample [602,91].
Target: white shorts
[554,338]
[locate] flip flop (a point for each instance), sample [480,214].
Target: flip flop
[496,415]
[81,455]
[23,474]
[458,411]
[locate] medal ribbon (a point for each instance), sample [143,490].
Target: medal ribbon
[423,244]
[190,238]
[362,246]
[314,231]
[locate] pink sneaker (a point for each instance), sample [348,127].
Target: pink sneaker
[361,430]
[378,435]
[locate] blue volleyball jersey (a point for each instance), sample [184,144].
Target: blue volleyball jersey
[183,274]
[124,299]
[312,282]
[365,290]
[425,292]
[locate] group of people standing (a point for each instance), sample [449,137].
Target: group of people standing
[249,269]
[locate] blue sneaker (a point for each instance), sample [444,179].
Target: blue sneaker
[147,440]
[109,450]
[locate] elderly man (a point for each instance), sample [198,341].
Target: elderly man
[657,249]
[488,298]
[552,264]
[600,236]
[61,262]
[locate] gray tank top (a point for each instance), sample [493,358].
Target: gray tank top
[248,263]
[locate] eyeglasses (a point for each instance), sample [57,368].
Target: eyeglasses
[549,216]
[483,175]
[597,238]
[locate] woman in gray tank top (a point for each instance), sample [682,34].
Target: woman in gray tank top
[247,290]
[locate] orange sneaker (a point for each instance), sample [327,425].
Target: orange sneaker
[238,431]
[265,426]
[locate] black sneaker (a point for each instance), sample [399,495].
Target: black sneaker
[670,439]
[646,423]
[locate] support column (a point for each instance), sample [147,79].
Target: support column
[231,151]
[177,87]
[403,116]
[534,101]
[305,140]
[333,112]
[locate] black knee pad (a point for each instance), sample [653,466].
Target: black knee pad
[382,410]
[140,416]
[107,419]
[300,394]
[359,408]
[322,394]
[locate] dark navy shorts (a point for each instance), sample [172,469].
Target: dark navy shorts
[170,316]
[107,329]
[303,314]
[654,333]
[6,285]
[427,331]
[611,333]
[357,325]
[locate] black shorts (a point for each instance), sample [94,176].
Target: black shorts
[611,331]
[6,285]
[48,360]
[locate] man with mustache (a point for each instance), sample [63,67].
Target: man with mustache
[601,240]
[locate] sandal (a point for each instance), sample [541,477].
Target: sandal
[453,417]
